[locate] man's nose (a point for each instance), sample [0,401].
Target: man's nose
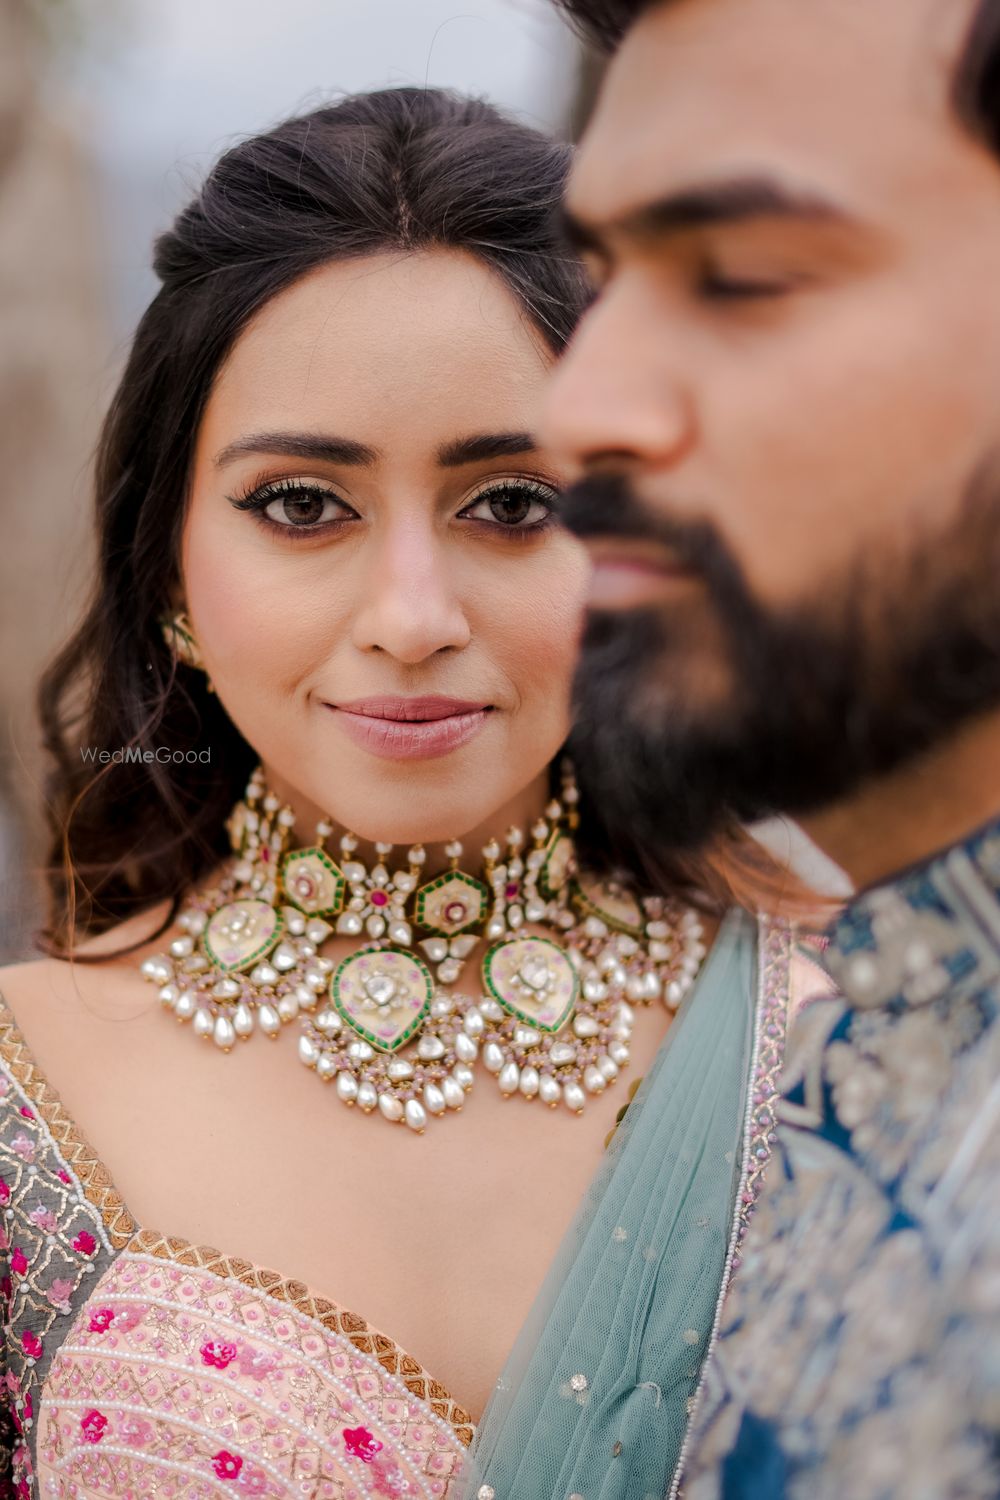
[619,394]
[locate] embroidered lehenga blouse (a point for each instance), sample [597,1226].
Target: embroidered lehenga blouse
[138,1365]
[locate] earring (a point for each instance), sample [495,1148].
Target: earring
[178,632]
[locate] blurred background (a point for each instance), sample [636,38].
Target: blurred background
[110,113]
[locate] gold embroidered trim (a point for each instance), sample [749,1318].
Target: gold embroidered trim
[346,1324]
[86,1165]
[125,1234]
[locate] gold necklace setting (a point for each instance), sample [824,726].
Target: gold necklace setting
[568,961]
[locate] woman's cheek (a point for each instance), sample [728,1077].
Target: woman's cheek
[547,619]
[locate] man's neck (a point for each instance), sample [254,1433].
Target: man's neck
[906,817]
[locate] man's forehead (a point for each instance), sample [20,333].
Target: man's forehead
[806,89]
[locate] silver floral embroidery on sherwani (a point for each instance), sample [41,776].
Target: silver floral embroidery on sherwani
[860,1349]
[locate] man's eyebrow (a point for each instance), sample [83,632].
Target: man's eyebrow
[484,446]
[324,447]
[738,201]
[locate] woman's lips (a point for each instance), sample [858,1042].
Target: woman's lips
[410,728]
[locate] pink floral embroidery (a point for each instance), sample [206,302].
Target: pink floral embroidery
[227,1465]
[360,1443]
[44,1218]
[19,1262]
[23,1491]
[253,1482]
[24,1146]
[64,1176]
[4,1192]
[92,1426]
[218,1354]
[256,1364]
[137,1431]
[127,1318]
[85,1242]
[59,1293]
[101,1320]
[26,1112]
[31,1344]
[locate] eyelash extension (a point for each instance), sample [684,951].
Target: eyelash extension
[535,489]
[258,496]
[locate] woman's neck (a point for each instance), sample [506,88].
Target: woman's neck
[520,811]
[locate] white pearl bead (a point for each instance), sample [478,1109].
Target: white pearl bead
[204,1022]
[185,1007]
[243,1020]
[415,1116]
[367,1096]
[619,1052]
[430,1048]
[347,1087]
[549,1091]
[288,1007]
[169,995]
[562,1053]
[594,1080]
[454,1094]
[575,1098]
[308,1051]
[508,1078]
[463,1076]
[608,1067]
[224,1033]
[490,1009]
[585,1026]
[157,969]
[474,1023]
[326,1067]
[466,1049]
[434,1099]
[530,1082]
[268,1020]
[390,1106]
[493,1059]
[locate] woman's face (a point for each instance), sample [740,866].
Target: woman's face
[370,560]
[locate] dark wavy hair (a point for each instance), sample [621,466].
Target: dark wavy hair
[976,91]
[402,169]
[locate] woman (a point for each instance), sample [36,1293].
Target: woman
[334,615]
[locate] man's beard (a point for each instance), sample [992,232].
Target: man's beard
[894,657]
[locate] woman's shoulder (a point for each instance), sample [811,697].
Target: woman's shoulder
[56,1011]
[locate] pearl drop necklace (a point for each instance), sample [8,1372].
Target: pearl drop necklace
[569,959]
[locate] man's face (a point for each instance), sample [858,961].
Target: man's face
[792,371]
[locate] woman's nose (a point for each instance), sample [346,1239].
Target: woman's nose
[411,607]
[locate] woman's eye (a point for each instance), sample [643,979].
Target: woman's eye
[518,504]
[291,505]
[716,287]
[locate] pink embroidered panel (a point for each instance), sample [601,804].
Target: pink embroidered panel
[175,1381]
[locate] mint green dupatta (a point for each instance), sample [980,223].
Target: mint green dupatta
[594,1400]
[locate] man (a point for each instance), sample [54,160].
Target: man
[784,409]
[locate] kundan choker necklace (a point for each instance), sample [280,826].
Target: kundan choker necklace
[568,959]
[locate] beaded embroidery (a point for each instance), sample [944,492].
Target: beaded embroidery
[79,1285]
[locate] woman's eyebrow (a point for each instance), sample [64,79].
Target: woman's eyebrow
[483,446]
[321,446]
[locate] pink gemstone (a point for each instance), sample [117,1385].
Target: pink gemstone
[456,911]
[512,890]
[379,898]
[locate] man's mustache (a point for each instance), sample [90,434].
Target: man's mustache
[605,505]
